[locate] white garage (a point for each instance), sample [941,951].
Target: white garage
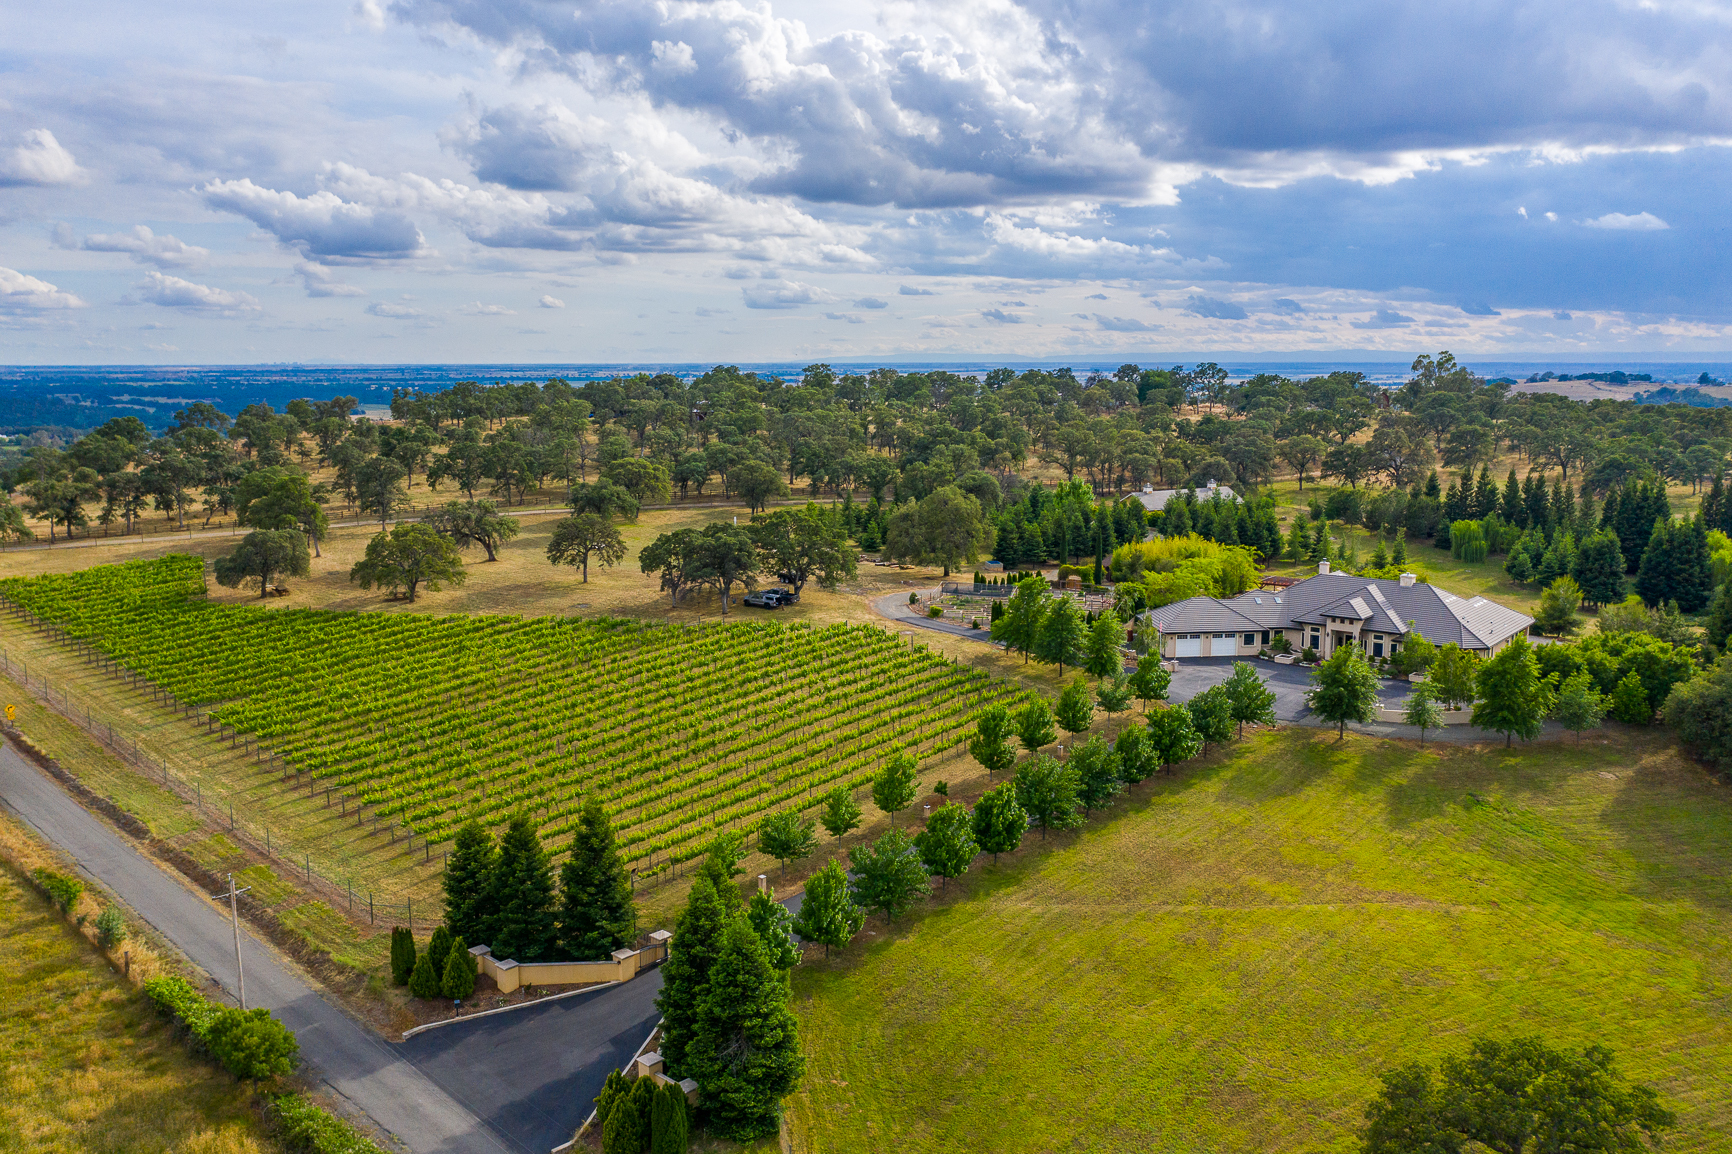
[1191,646]
[1224,645]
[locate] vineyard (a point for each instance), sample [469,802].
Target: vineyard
[428,722]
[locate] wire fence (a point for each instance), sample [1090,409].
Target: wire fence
[325,879]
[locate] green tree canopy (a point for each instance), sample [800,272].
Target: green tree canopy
[1422,710]
[1101,650]
[468,884]
[262,555]
[787,837]
[999,821]
[888,875]
[596,914]
[1019,627]
[1173,736]
[408,557]
[474,523]
[745,1049]
[1579,704]
[757,484]
[809,543]
[1047,792]
[646,481]
[696,943]
[947,843]
[1150,681]
[1212,713]
[1034,727]
[893,786]
[1076,708]
[828,914]
[523,897]
[1343,689]
[577,538]
[841,813]
[1248,697]
[991,744]
[771,921]
[1454,675]
[1059,640]
[946,528]
[1096,765]
[1513,697]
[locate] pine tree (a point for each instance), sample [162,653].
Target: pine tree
[1298,541]
[1076,708]
[745,1051]
[1034,727]
[1059,640]
[828,914]
[991,744]
[1173,736]
[1536,500]
[1579,705]
[1485,498]
[1047,791]
[721,865]
[469,884]
[402,955]
[1513,698]
[1020,623]
[1693,570]
[1096,765]
[947,843]
[1101,652]
[596,914]
[1599,569]
[670,1121]
[1557,612]
[1212,714]
[841,814]
[424,980]
[1656,578]
[1248,698]
[523,895]
[1514,508]
[1563,505]
[1518,565]
[1398,557]
[457,980]
[1719,624]
[999,823]
[438,946]
[686,974]
[893,787]
[1344,688]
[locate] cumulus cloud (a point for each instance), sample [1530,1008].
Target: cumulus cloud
[1096,297]
[38,159]
[1383,319]
[1215,309]
[1287,306]
[1123,324]
[393,312]
[911,291]
[21,293]
[999,316]
[322,225]
[871,303]
[320,281]
[783,294]
[551,302]
[141,244]
[172,292]
[1478,309]
[477,309]
[1641,222]
[851,318]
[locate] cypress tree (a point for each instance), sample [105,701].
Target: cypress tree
[1515,510]
[1432,488]
[619,1135]
[438,946]
[1563,509]
[1714,504]
[745,1048]
[402,955]
[686,973]
[1458,501]
[1656,578]
[1535,500]
[469,885]
[1599,569]
[458,980]
[643,1100]
[596,915]
[669,1124]
[424,981]
[523,895]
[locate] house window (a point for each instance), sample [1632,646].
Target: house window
[1249,639]
[1377,637]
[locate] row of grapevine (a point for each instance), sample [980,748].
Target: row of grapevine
[432,721]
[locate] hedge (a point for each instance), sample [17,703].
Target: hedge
[177,998]
[310,1129]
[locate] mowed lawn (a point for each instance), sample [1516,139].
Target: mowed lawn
[87,1065]
[1227,961]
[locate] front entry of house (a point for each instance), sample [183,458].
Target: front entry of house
[1224,645]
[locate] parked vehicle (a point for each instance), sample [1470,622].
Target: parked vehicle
[762,599]
[788,596]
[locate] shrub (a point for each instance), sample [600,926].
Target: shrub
[251,1044]
[423,982]
[613,1091]
[191,1010]
[934,611]
[670,1125]
[402,955]
[914,599]
[1308,655]
[307,1128]
[63,891]
[458,980]
[620,1133]
[438,946]
[110,928]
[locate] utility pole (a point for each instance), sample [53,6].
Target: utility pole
[235,919]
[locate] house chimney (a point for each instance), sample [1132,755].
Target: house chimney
[1148,488]
[1407,579]
[1323,568]
[1211,484]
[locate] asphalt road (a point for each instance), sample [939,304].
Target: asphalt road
[350,1059]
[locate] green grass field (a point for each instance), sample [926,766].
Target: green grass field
[1226,962]
[88,1066]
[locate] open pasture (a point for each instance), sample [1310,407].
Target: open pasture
[427,722]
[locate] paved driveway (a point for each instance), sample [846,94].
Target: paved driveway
[1288,681]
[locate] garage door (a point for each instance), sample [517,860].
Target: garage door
[1189,646]
[1224,645]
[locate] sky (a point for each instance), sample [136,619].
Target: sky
[616,180]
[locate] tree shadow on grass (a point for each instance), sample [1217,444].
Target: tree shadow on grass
[1443,777]
[1674,820]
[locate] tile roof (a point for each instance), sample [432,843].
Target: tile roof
[1383,606]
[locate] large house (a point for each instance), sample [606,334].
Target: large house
[1333,609]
